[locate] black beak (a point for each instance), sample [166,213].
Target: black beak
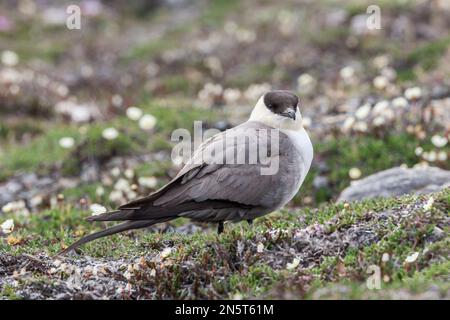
[289,114]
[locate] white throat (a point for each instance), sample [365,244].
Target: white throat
[262,114]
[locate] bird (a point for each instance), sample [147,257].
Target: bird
[213,188]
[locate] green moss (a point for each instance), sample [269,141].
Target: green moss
[250,74]
[150,49]
[216,11]
[425,56]
[37,154]
[8,292]
[239,271]
[176,84]
[43,152]
[428,54]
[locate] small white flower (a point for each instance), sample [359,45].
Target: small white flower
[110,133]
[7,226]
[354,173]
[62,90]
[388,114]
[100,191]
[442,155]
[97,209]
[9,58]
[348,124]
[67,142]
[231,95]
[134,113]
[237,296]
[385,257]
[430,156]
[380,82]
[255,90]
[147,122]
[122,185]
[427,206]
[7,208]
[117,100]
[305,79]
[15,206]
[422,164]
[380,107]
[363,111]
[294,264]
[412,257]
[413,93]
[36,200]
[347,72]
[129,173]
[116,196]
[418,151]
[148,182]
[379,121]
[260,247]
[381,61]
[360,126]
[166,252]
[115,172]
[400,102]
[131,195]
[306,83]
[439,141]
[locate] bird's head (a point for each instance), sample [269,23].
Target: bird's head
[278,109]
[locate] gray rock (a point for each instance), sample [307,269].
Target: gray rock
[397,181]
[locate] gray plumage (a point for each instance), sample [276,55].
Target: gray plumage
[210,190]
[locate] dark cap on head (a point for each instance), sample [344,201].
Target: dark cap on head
[281,102]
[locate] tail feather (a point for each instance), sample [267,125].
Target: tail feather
[129,225]
[161,212]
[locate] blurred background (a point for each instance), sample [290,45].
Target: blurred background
[86,115]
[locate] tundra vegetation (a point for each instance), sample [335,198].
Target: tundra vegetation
[86,118]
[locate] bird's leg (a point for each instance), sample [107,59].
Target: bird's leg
[250,221]
[220,227]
